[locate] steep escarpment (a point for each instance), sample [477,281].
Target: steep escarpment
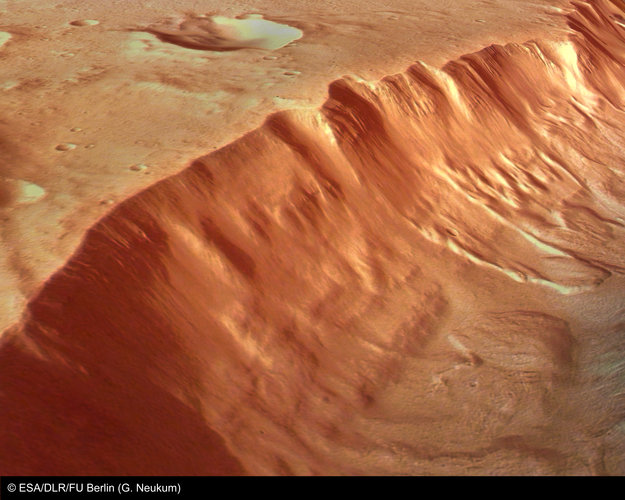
[424,276]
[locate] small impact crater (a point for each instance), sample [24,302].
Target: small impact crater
[4,37]
[19,192]
[219,33]
[85,22]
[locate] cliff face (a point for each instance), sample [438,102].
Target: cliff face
[423,276]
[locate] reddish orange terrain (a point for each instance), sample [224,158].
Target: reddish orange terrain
[424,276]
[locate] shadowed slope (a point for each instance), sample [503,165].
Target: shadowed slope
[390,284]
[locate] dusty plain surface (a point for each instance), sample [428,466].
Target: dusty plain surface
[413,269]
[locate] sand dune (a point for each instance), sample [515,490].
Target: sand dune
[423,276]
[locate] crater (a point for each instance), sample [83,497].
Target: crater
[20,192]
[85,22]
[219,33]
[4,37]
